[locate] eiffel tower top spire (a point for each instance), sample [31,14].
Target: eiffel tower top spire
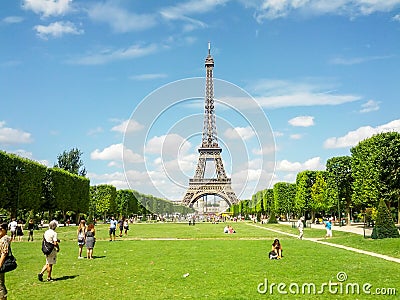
[209,139]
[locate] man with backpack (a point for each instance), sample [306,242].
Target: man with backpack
[50,237]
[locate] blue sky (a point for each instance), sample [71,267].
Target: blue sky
[323,75]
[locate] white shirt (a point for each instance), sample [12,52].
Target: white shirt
[13,225]
[300,224]
[50,236]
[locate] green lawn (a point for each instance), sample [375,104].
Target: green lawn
[389,247]
[151,262]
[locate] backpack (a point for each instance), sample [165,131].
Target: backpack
[273,255]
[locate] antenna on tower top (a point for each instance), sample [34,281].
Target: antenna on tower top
[209,47]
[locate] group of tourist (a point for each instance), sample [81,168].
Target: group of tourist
[229,229]
[123,227]
[16,229]
[327,224]
[86,237]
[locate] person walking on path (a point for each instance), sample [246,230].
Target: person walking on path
[328,227]
[81,237]
[20,230]
[13,229]
[113,226]
[51,237]
[121,226]
[31,227]
[5,242]
[300,226]
[126,226]
[90,241]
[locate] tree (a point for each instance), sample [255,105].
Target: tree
[103,197]
[304,182]
[339,183]
[384,226]
[318,201]
[71,161]
[269,201]
[376,170]
[284,195]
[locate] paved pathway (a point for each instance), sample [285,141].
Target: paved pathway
[319,241]
[357,228]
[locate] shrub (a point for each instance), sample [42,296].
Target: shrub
[384,226]
[272,218]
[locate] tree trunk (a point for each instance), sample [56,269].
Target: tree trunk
[312,216]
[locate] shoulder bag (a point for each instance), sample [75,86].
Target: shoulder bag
[10,263]
[47,247]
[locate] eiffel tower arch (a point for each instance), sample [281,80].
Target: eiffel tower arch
[209,152]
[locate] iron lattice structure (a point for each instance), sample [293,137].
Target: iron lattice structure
[209,151]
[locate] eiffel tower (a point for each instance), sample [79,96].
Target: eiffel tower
[209,152]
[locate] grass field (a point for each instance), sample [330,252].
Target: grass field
[150,263]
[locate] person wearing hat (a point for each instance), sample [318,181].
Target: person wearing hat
[5,241]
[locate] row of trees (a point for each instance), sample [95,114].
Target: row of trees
[26,185]
[359,181]
[107,200]
[29,189]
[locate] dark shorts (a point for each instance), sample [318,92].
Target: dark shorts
[112,231]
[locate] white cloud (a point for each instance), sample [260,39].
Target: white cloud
[95,131]
[357,60]
[305,99]
[285,165]
[48,8]
[310,164]
[57,29]
[302,121]
[296,136]
[128,126]
[396,18]
[116,179]
[11,136]
[369,106]
[266,149]
[169,145]
[12,20]
[273,9]
[182,10]
[281,93]
[243,133]
[352,138]
[24,153]
[147,76]
[116,152]
[29,155]
[107,55]
[191,7]
[120,19]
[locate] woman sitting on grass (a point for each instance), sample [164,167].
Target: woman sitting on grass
[276,251]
